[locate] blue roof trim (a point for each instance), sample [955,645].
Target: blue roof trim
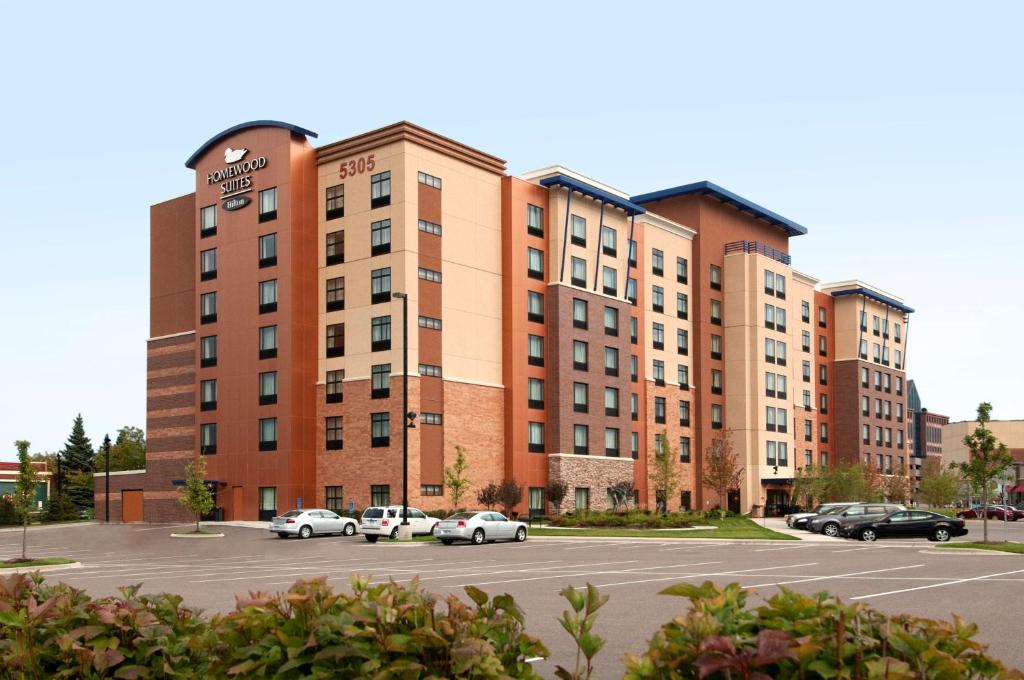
[884,299]
[726,196]
[593,192]
[194,158]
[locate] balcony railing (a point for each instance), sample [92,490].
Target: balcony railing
[757,247]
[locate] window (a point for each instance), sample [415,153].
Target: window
[896,332]
[380,381]
[876,324]
[782,419]
[823,456]
[716,277]
[268,204]
[769,282]
[333,427]
[207,221]
[536,437]
[769,384]
[534,263]
[579,355]
[780,353]
[771,458]
[659,410]
[534,220]
[716,312]
[805,311]
[268,296]
[609,281]
[864,406]
[268,250]
[335,202]
[634,329]
[716,381]
[769,350]
[207,395]
[659,372]
[380,237]
[806,368]
[821,317]
[632,253]
[429,227]
[769,420]
[807,400]
[657,262]
[429,180]
[863,377]
[822,345]
[864,349]
[611,361]
[579,313]
[334,498]
[380,285]
[609,241]
[878,380]
[535,306]
[634,368]
[865,434]
[578,272]
[208,438]
[780,386]
[716,346]
[682,270]
[783,454]
[535,350]
[631,290]
[611,321]
[780,319]
[684,413]
[534,393]
[582,498]
[580,440]
[634,406]
[876,352]
[429,275]
[208,264]
[536,500]
[780,286]
[335,340]
[380,494]
[682,306]
[684,449]
[380,189]
[268,434]
[899,438]
[863,320]
[380,430]
[380,333]
[805,341]
[824,433]
[823,375]
[333,390]
[899,412]
[808,431]
[823,406]
[611,442]
[658,298]
[430,370]
[208,351]
[268,388]
[888,410]
[769,317]
[899,358]
[682,341]
[430,418]
[208,307]
[899,385]
[658,335]
[431,490]
[716,416]
[268,342]
[335,247]
[611,401]
[683,376]
[336,294]
[579,397]
[579,231]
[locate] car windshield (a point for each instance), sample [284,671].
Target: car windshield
[462,515]
[292,513]
[373,513]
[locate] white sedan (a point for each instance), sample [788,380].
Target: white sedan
[305,523]
[479,527]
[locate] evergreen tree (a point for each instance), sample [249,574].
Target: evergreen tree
[78,455]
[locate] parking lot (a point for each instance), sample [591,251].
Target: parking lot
[895,575]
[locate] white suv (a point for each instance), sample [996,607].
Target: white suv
[380,521]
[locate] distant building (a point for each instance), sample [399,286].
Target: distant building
[1009,432]
[924,434]
[9,475]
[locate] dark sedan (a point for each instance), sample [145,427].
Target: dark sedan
[907,524]
[999,512]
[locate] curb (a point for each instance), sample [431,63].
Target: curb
[967,551]
[49,567]
[197,535]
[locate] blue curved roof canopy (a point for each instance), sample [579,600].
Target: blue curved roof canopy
[194,158]
[724,195]
[877,297]
[592,192]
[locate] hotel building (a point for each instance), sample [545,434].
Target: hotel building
[558,329]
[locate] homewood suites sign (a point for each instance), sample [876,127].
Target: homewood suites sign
[236,178]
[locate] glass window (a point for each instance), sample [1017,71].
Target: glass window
[534,263]
[268,431]
[579,354]
[333,382]
[268,384]
[716,312]
[208,350]
[682,270]
[208,307]
[535,392]
[334,433]
[535,306]
[336,293]
[334,498]
[659,410]
[716,277]
[611,321]
[578,272]
[335,202]
[579,313]
[659,371]
[380,285]
[380,333]
[335,343]
[716,416]
[769,282]
[380,494]
[335,247]
[268,204]
[683,341]
[380,237]
[535,220]
[683,376]
[780,286]
[579,231]
[805,311]
[611,441]
[268,338]
[268,295]
[208,220]
[380,189]
[658,335]
[771,455]
[535,349]
[268,250]
[579,397]
[658,298]
[208,264]
[536,437]
[429,180]
[380,380]
[208,438]
[580,439]
[609,240]
[657,262]
[611,361]
[208,392]
[609,280]
[380,429]
[682,305]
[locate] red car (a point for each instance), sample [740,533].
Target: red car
[993,512]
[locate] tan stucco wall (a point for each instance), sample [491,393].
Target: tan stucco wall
[1009,432]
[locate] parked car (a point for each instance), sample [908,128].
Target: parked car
[1013,514]
[799,519]
[992,511]
[305,523]
[832,523]
[478,527]
[378,521]
[906,524]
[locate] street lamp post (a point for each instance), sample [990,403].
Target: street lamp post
[404,533]
[106,494]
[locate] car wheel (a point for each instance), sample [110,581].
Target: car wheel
[394,533]
[281,534]
[350,530]
[520,534]
[830,529]
[478,537]
[306,531]
[868,535]
[447,541]
[941,535]
[372,538]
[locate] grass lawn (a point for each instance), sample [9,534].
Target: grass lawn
[730,527]
[1009,547]
[201,532]
[41,562]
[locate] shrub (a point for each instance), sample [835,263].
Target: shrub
[636,519]
[7,513]
[59,508]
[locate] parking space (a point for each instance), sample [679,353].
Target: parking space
[896,576]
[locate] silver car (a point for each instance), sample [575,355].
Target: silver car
[832,523]
[305,523]
[479,527]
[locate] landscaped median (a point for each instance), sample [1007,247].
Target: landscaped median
[32,564]
[197,534]
[1008,547]
[643,525]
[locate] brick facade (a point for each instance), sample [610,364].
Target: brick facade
[596,473]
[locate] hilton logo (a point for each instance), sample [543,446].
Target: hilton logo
[237,203]
[236,178]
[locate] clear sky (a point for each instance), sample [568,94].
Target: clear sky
[893,131]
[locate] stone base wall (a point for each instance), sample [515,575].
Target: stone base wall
[596,473]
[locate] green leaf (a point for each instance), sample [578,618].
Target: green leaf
[478,596]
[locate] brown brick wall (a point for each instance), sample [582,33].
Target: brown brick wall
[686,473]
[848,418]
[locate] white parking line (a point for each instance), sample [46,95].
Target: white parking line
[786,547]
[825,578]
[937,585]
[719,573]
[856,549]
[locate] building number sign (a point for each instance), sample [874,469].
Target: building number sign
[357,166]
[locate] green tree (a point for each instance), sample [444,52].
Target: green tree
[939,487]
[989,459]
[129,450]
[556,492]
[195,495]
[807,485]
[24,492]
[455,477]
[666,471]
[722,471]
[78,460]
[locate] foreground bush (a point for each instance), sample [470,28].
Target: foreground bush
[392,631]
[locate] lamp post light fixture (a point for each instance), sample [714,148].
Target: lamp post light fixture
[408,418]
